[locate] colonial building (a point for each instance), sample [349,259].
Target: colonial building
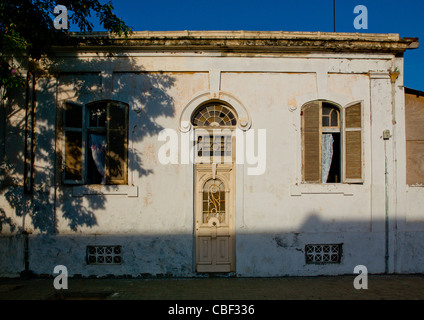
[196,152]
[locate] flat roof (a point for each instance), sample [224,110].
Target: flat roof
[414,92]
[245,41]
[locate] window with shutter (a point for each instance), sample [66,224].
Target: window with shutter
[96,143]
[322,139]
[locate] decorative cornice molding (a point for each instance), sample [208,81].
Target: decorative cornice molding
[243,41]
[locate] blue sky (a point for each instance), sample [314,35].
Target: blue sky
[384,16]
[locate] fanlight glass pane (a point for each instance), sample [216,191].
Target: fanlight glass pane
[213,200]
[97,116]
[330,116]
[334,118]
[214,115]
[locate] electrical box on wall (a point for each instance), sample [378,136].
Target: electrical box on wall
[386,135]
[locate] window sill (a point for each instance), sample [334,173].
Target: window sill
[330,188]
[97,189]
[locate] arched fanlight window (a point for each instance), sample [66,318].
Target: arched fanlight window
[214,115]
[330,116]
[214,200]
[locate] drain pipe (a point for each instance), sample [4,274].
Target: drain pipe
[386,137]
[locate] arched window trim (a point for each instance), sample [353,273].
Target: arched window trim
[244,121]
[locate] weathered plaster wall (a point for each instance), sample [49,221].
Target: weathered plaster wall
[142,255]
[276,204]
[12,253]
[276,215]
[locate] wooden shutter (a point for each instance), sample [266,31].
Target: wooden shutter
[353,166]
[117,144]
[311,136]
[74,143]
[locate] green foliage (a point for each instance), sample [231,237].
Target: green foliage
[27,31]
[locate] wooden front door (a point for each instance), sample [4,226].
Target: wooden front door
[214,217]
[214,187]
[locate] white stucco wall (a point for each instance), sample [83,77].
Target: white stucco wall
[275,216]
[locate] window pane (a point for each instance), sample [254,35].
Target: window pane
[204,146]
[73,116]
[97,116]
[117,117]
[334,118]
[215,147]
[330,116]
[73,155]
[325,121]
[214,200]
[326,110]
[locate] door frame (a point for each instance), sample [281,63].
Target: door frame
[244,123]
[226,174]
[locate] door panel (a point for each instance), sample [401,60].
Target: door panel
[204,247]
[223,250]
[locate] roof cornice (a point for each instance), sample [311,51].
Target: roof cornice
[242,41]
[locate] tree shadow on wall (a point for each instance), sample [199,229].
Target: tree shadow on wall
[32,155]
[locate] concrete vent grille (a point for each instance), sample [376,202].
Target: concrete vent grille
[323,253]
[104,254]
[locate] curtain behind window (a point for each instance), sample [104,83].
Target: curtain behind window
[327,154]
[97,144]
